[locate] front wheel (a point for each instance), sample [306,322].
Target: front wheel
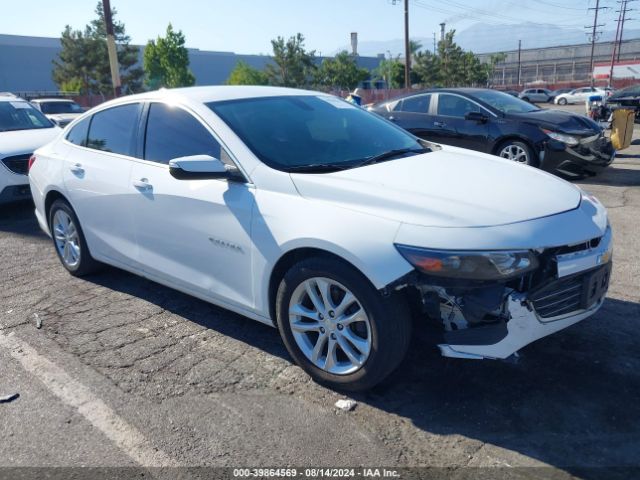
[518,152]
[562,101]
[338,327]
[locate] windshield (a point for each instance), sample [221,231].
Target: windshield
[20,115]
[293,132]
[503,102]
[52,108]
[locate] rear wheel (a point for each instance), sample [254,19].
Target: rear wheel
[518,152]
[69,240]
[338,327]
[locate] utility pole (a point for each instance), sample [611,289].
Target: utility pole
[435,50]
[615,45]
[407,50]
[519,57]
[624,8]
[111,47]
[442,25]
[594,35]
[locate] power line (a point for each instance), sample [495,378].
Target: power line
[477,13]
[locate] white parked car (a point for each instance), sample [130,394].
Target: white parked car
[22,130]
[307,213]
[61,111]
[579,95]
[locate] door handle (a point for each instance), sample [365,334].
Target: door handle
[439,124]
[142,184]
[393,119]
[77,169]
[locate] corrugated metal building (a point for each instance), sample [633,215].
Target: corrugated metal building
[556,65]
[26,63]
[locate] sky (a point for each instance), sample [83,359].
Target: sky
[247,26]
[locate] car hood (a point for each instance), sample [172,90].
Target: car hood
[451,187]
[18,142]
[557,120]
[63,116]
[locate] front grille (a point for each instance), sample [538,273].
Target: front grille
[593,243]
[18,163]
[565,297]
[571,294]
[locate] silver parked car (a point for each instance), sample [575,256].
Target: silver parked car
[537,95]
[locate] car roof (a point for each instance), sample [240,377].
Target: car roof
[10,98]
[466,90]
[206,94]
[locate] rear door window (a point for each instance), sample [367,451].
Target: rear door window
[78,134]
[417,104]
[114,130]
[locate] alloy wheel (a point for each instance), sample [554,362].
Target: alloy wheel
[66,239]
[515,153]
[330,326]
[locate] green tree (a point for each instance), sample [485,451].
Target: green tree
[166,61]
[245,74]
[76,61]
[342,72]
[391,70]
[84,57]
[293,65]
[426,66]
[451,67]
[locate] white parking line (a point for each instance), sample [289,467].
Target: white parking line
[128,438]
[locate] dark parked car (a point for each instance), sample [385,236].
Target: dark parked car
[497,123]
[628,97]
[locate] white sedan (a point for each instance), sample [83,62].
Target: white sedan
[307,213]
[579,95]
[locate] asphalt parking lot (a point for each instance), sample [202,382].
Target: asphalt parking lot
[125,372]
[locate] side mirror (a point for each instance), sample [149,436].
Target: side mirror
[476,117]
[200,167]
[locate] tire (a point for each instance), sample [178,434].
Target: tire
[387,328]
[526,99]
[68,240]
[517,149]
[562,101]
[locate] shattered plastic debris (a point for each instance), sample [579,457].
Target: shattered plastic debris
[9,398]
[346,405]
[38,320]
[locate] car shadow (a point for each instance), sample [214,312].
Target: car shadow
[18,217]
[615,177]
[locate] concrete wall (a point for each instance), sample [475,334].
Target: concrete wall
[26,63]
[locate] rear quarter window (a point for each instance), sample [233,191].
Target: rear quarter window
[78,134]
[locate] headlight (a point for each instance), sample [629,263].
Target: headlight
[470,265]
[562,137]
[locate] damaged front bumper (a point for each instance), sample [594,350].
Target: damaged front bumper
[495,321]
[523,327]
